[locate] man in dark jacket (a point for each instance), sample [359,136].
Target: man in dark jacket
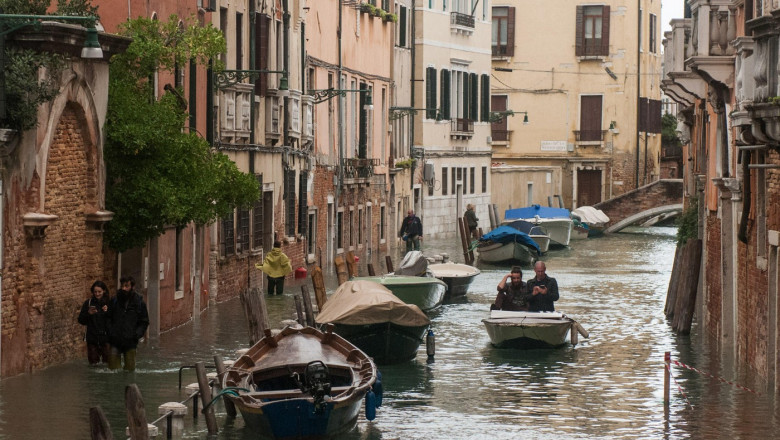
[129,320]
[411,231]
[543,290]
[512,293]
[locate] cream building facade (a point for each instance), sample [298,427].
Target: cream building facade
[589,91]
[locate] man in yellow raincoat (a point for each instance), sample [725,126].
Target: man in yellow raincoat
[276,266]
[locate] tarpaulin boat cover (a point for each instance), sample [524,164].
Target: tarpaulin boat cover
[414,264]
[508,234]
[591,215]
[527,227]
[534,210]
[368,302]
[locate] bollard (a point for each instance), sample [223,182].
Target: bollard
[213,379]
[174,423]
[152,430]
[667,362]
[430,345]
[192,390]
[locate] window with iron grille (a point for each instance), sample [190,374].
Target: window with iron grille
[311,242]
[242,236]
[257,217]
[289,202]
[228,237]
[303,208]
[381,222]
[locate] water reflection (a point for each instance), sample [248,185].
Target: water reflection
[608,386]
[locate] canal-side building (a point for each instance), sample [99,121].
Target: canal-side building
[585,99]
[720,67]
[52,180]
[349,59]
[451,84]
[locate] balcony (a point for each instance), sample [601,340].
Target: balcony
[359,168]
[501,136]
[589,137]
[462,23]
[461,128]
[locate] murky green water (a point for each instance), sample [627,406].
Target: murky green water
[609,386]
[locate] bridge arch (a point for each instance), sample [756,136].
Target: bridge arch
[645,215]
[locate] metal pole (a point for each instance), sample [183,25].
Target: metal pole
[667,362]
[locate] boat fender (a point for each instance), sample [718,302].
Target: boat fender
[379,390]
[581,330]
[370,405]
[430,345]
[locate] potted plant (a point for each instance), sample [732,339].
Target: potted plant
[390,18]
[368,8]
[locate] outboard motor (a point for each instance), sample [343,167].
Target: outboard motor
[316,381]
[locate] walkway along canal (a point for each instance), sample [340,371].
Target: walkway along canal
[609,386]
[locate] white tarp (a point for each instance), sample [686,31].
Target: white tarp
[368,302]
[591,215]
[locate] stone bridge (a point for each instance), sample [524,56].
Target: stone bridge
[660,199]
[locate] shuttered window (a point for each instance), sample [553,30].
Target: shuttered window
[484,180]
[590,118]
[652,32]
[503,40]
[498,130]
[445,94]
[474,110]
[430,93]
[402,26]
[444,181]
[472,176]
[592,31]
[262,35]
[485,102]
[650,115]
[303,208]
[257,217]
[289,202]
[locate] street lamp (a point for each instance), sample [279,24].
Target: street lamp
[400,112]
[227,78]
[499,116]
[322,95]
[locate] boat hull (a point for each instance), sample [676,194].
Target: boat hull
[527,331]
[579,232]
[458,277]
[424,292]
[386,343]
[506,253]
[295,419]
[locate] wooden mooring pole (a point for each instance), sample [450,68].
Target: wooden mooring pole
[389,264]
[318,281]
[667,365]
[307,306]
[136,415]
[99,428]
[230,408]
[205,397]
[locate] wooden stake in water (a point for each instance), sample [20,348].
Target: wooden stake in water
[667,365]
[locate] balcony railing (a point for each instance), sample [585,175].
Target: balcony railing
[590,135]
[459,19]
[671,151]
[355,167]
[500,135]
[462,125]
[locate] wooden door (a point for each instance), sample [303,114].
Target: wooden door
[588,187]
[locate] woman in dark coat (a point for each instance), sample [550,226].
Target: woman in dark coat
[94,314]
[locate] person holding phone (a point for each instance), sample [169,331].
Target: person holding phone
[512,292]
[94,314]
[543,290]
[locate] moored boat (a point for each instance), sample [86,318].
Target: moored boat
[537,233]
[300,374]
[458,277]
[530,329]
[506,244]
[425,292]
[557,221]
[369,316]
[579,230]
[594,218]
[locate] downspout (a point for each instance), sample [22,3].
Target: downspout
[412,118]
[746,197]
[286,68]
[339,125]
[638,84]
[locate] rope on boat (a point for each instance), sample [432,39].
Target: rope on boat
[233,391]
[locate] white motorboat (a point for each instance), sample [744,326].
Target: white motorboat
[506,244]
[530,329]
[557,221]
[457,276]
[594,218]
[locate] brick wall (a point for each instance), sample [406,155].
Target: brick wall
[659,193]
[46,281]
[713,290]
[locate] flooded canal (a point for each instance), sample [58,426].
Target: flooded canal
[610,386]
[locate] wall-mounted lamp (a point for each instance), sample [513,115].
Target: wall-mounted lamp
[91,49]
[400,112]
[613,128]
[227,78]
[323,95]
[369,103]
[500,115]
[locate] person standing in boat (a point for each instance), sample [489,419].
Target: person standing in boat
[94,314]
[543,290]
[512,292]
[471,220]
[411,231]
[129,321]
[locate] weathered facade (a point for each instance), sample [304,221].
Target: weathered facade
[451,85]
[586,98]
[53,207]
[720,68]
[349,81]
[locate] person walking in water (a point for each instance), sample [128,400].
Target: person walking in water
[471,220]
[411,231]
[276,266]
[129,321]
[95,315]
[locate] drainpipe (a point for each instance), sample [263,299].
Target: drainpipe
[412,118]
[340,125]
[638,84]
[286,68]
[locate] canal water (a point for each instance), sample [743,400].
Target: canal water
[609,386]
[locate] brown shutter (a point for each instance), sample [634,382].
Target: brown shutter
[590,118]
[605,30]
[510,32]
[579,46]
[655,116]
[261,56]
[643,123]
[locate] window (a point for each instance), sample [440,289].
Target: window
[289,202]
[444,108]
[257,216]
[498,130]
[178,277]
[472,175]
[351,225]
[262,36]
[484,180]
[303,202]
[362,122]
[463,184]
[652,33]
[503,42]
[360,226]
[382,223]
[454,187]
[228,238]
[430,93]
[311,240]
[242,239]
[484,107]
[590,118]
[340,230]
[592,31]
[474,98]
[402,26]
[239,41]
[444,181]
